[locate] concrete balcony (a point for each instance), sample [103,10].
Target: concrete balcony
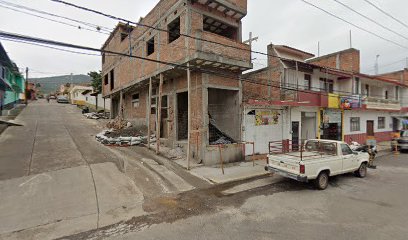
[214,55]
[381,104]
[312,98]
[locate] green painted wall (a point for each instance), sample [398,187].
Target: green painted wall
[18,83]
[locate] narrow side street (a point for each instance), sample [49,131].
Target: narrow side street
[55,178]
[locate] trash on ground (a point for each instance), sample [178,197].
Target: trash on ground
[95,115]
[123,137]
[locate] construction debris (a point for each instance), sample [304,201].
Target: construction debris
[95,115]
[217,137]
[114,137]
[118,123]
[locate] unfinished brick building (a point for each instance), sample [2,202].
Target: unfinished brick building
[215,92]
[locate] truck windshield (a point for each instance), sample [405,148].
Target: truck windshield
[321,147]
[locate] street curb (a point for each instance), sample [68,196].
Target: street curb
[238,178]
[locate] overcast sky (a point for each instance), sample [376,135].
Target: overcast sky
[288,22]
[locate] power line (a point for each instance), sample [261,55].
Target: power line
[55,15]
[53,20]
[25,39]
[54,48]
[370,19]
[218,43]
[352,24]
[388,64]
[386,13]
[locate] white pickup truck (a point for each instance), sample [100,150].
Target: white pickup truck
[317,160]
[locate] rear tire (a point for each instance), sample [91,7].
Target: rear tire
[362,171]
[322,181]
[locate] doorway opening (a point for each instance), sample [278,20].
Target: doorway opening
[182,116]
[224,116]
[308,125]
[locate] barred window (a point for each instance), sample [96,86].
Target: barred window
[354,124]
[381,122]
[135,100]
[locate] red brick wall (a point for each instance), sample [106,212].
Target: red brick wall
[260,89]
[400,75]
[362,137]
[349,60]
[176,52]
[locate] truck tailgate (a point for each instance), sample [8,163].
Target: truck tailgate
[286,163]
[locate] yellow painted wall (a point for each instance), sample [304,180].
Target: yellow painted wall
[334,100]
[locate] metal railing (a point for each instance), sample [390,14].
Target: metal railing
[297,149]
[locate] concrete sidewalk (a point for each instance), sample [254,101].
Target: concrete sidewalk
[232,171]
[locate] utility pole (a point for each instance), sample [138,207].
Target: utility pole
[376,64]
[351,43]
[159,106]
[318,49]
[249,42]
[189,115]
[26,87]
[149,104]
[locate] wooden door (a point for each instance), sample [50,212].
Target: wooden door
[370,128]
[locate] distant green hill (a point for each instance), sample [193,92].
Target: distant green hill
[51,84]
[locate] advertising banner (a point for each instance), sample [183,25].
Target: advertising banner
[350,102]
[266,117]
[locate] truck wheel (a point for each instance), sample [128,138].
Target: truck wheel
[322,181]
[362,171]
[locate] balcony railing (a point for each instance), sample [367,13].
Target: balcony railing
[380,103]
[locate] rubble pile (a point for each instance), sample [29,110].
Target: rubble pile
[118,123]
[95,115]
[217,137]
[124,137]
[176,153]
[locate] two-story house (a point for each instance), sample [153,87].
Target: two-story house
[195,40]
[292,100]
[298,97]
[371,105]
[12,83]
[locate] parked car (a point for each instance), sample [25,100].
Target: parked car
[52,97]
[317,160]
[62,99]
[403,141]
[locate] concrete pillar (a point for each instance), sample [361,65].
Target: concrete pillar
[159,105]
[149,99]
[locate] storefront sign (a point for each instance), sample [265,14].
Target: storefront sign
[263,117]
[350,102]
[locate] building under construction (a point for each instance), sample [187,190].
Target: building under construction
[180,75]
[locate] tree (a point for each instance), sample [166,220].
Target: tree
[96,80]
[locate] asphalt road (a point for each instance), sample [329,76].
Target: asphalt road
[276,208]
[56,180]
